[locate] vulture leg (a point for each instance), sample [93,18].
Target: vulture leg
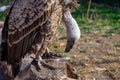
[41,47]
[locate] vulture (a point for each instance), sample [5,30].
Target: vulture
[30,25]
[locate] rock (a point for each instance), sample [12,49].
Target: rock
[59,70]
[56,69]
[5,71]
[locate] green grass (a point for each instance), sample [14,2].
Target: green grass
[5,2]
[3,15]
[60,28]
[100,17]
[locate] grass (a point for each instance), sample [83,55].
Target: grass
[100,17]
[60,28]
[5,2]
[3,15]
[117,45]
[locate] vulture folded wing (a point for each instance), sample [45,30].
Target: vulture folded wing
[25,19]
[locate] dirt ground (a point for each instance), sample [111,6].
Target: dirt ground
[96,57]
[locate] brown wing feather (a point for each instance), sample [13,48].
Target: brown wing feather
[24,22]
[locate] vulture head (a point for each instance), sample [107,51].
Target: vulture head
[73,31]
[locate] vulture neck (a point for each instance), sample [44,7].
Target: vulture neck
[73,31]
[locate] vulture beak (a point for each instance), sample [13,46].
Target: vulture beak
[73,31]
[69,45]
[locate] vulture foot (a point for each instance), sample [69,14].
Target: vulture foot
[50,55]
[41,63]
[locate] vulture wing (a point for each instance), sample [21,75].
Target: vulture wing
[22,24]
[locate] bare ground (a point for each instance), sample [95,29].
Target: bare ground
[96,57]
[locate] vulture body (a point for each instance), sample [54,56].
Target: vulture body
[29,26]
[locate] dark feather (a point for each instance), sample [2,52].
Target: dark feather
[29,23]
[22,28]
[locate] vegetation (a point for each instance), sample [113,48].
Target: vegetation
[101,19]
[3,2]
[114,3]
[2,16]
